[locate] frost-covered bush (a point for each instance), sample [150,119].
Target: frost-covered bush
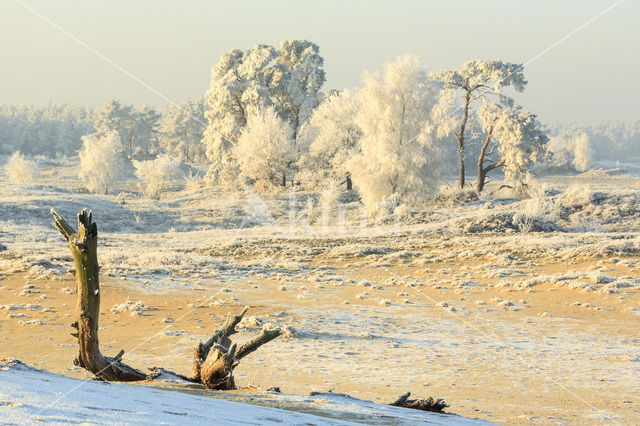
[449,196]
[193,182]
[20,170]
[329,198]
[265,148]
[155,174]
[101,162]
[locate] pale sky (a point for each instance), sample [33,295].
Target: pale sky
[172,45]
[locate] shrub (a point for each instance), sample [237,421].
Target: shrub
[101,162]
[155,174]
[20,170]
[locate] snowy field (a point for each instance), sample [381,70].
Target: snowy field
[31,395]
[510,309]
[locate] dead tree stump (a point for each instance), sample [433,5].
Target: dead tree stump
[215,359]
[84,248]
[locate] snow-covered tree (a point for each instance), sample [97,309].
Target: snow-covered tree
[476,80]
[20,170]
[115,117]
[156,174]
[514,140]
[181,130]
[331,138]
[571,149]
[582,152]
[144,134]
[243,83]
[239,88]
[137,129]
[265,148]
[297,78]
[101,162]
[400,155]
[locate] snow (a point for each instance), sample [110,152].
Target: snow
[28,395]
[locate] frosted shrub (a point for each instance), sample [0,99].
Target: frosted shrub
[101,162]
[155,174]
[575,197]
[193,182]
[402,211]
[329,197]
[20,170]
[571,151]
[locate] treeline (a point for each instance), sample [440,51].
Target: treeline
[578,147]
[267,122]
[52,130]
[58,129]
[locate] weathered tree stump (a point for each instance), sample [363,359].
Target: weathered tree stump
[429,404]
[84,248]
[213,361]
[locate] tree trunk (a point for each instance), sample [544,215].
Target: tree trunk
[460,168]
[349,182]
[84,248]
[460,138]
[482,171]
[284,179]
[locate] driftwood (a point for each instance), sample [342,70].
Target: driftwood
[429,404]
[213,361]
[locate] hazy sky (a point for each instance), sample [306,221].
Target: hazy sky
[172,45]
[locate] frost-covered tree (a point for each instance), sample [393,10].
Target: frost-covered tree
[115,117]
[101,162]
[476,80]
[137,129]
[571,149]
[514,140]
[239,88]
[20,170]
[156,174]
[243,83]
[400,156]
[265,148]
[181,130]
[331,138]
[143,140]
[297,78]
[582,153]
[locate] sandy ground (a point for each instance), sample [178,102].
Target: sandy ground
[506,353]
